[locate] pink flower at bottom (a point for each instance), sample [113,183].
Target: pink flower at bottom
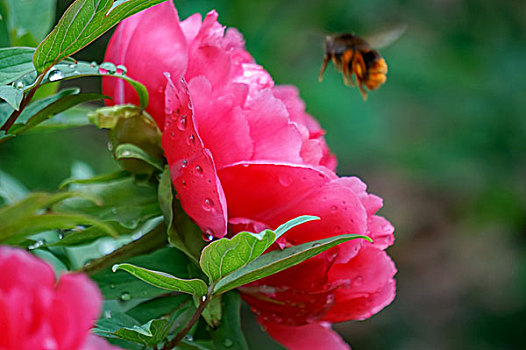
[39,312]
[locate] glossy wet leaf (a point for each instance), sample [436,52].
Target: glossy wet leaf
[15,62]
[130,151]
[279,260]
[83,22]
[165,281]
[229,335]
[12,95]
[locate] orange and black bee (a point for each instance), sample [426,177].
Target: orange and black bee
[354,55]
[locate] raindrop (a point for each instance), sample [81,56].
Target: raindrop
[109,145]
[60,235]
[93,64]
[112,286]
[55,75]
[121,70]
[203,298]
[126,153]
[173,134]
[37,244]
[358,281]
[107,247]
[198,170]
[107,67]
[334,208]
[208,204]
[316,245]
[184,183]
[228,342]
[188,337]
[125,296]
[107,314]
[191,140]
[184,163]
[182,123]
[114,210]
[285,180]
[71,66]
[208,235]
[19,85]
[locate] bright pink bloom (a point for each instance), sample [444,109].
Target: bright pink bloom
[244,155]
[37,312]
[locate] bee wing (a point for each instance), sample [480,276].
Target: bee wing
[385,38]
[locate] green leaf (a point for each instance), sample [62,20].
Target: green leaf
[227,255]
[60,104]
[183,233]
[12,95]
[279,260]
[160,306]
[124,201]
[165,281]
[229,334]
[83,22]
[114,285]
[212,312]
[100,179]
[15,62]
[11,190]
[33,17]
[293,223]
[71,118]
[130,151]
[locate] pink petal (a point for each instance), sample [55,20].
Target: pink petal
[275,193]
[19,269]
[97,343]
[221,123]
[369,285]
[191,164]
[314,336]
[75,310]
[381,231]
[275,137]
[148,44]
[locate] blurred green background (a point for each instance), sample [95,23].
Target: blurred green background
[443,142]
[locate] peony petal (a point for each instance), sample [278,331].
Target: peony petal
[370,285]
[314,336]
[148,44]
[275,193]
[191,164]
[381,231]
[97,343]
[75,310]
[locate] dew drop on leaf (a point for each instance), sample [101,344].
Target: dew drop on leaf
[189,337]
[19,85]
[93,64]
[107,67]
[125,296]
[55,74]
[228,342]
[121,70]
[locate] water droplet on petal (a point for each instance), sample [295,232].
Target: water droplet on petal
[208,204]
[121,70]
[55,74]
[198,170]
[208,235]
[358,281]
[184,163]
[183,183]
[285,180]
[316,245]
[334,208]
[182,123]
[191,140]
[125,296]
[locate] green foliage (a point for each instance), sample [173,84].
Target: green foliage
[83,22]
[165,281]
[228,335]
[25,24]
[15,62]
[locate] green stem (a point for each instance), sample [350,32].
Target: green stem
[195,317]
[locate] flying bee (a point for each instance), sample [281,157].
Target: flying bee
[351,54]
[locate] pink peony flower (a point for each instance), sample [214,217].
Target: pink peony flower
[244,155]
[37,312]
